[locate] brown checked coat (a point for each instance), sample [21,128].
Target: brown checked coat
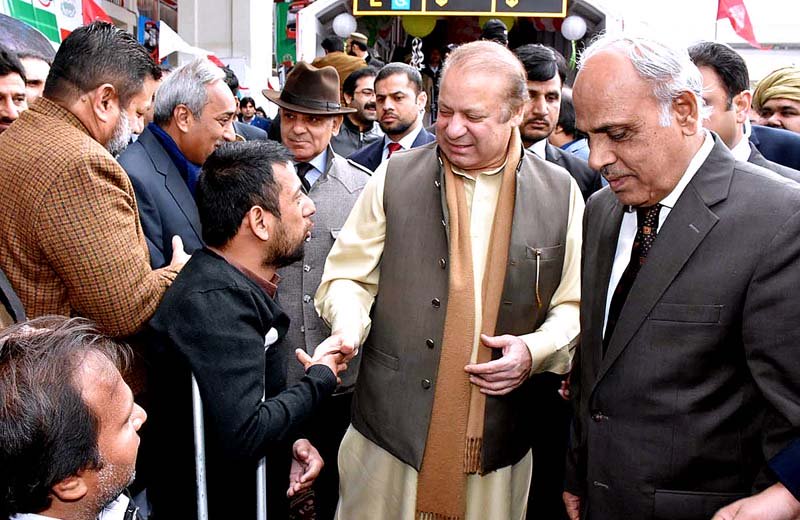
[70,238]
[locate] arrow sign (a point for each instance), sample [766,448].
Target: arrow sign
[441,3]
[512,3]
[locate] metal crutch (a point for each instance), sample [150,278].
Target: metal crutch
[200,462]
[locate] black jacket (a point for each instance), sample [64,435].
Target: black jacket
[216,320]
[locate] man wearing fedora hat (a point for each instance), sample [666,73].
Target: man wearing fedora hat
[310,115]
[357,45]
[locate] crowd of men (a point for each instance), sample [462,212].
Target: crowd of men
[459,320]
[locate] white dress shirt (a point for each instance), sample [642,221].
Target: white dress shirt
[627,231]
[539,148]
[742,149]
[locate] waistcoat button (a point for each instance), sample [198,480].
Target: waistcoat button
[306,267]
[429,342]
[306,298]
[442,263]
[436,303]
[426,383]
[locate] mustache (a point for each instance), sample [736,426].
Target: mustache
[609,172]
[536,120]
[370,106]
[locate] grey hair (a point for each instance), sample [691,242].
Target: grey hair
[669,70]
[185,86]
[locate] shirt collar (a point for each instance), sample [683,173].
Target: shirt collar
[539,148]
[268,286]
[31,516]
[742,149]
[320,161]
[406,142]
[694,165]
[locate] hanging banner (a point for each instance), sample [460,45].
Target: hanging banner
[53,18]
[541,8]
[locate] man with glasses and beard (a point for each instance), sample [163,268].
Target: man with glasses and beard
[400,102]
[220,322]
[70,239]
[359,128]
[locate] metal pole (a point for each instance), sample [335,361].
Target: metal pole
[199,452]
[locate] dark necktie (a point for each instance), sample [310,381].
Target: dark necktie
[393,147]
[647,221]
[302,169]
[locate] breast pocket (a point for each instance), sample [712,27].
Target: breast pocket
[683,313]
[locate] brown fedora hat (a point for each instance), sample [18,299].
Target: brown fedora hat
[310,90]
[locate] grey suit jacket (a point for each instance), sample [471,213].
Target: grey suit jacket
[700,382]
[166,206]
[334,195]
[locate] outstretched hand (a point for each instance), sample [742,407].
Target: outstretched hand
[332,353]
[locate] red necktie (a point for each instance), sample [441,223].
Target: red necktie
[393,147]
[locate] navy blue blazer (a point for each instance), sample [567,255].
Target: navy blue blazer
[777,145]
[369,157]
[166,206]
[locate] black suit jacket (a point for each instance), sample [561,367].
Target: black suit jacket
[700,382]
[588,180]
[777,145]
[758,159]
[166,206]
[369,157]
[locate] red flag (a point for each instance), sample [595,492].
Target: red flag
[92,12]
[736,12]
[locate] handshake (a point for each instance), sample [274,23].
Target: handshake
[333,353]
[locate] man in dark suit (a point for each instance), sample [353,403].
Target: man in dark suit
[400,101]
[194,113]
[688,377]
[726,93]
[546,75]
[777,145]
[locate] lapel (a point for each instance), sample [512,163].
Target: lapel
[601,260]
[173,181]
[688,224]
[423,137]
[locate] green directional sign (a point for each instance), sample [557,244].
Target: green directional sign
[544,8]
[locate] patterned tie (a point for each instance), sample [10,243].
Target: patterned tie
[302,169]
[393,147]
[647,219]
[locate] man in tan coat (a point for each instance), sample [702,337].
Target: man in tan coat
[336,58]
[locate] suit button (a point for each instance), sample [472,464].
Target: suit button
[437,183]
[429,342]
[442,263]
[444,223]
[306,268]
[598,416]
[599,484]
[306,298]
[436,303]
[426,383]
